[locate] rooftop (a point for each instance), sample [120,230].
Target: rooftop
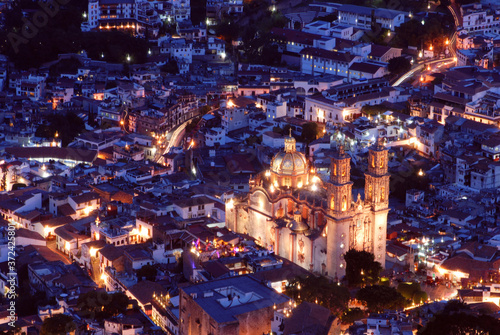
[225,299]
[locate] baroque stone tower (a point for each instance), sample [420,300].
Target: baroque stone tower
[377,195]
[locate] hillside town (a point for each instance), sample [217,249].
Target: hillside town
[249,167]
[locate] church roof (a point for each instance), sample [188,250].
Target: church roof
[298,226]
[289,161]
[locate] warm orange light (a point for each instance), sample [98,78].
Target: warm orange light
[431,47]
[122,123]
[447,42]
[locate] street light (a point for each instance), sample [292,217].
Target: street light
[128,58]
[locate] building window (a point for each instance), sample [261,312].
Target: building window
[344,203]
[332,203]
[382,193]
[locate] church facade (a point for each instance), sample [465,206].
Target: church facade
[312,222]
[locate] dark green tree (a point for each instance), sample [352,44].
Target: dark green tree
[67,125]
[310,132]
[351,315]
[100,304]
[378,298]
[461,323]
[170,67]
[407,290]
[361,268]
[148,272]
[399,65]
[59,324]
[319,290]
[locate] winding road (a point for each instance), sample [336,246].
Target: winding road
[420,67]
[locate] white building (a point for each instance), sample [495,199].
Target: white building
[135,16]
[363,17]
[32,87]
[215,135]
[480,18]
[317,61]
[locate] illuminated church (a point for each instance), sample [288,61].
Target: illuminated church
[312,222]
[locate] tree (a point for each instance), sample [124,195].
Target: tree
[170,67]
[310,132]
[361,267]
[67,125]
[205,109]
[399,65]
[100,305]
[461,323]
[148,272]
[412,291]
[59,324]
[319,290]
[378,298]
[351,315]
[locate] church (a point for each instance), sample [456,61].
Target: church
[313,222]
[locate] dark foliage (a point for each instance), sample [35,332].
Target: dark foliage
[66,125]
[399,65]
[378,298]
[321,290]
[59,324]
[361,268]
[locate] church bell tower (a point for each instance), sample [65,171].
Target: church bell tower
[339,197]
[377,196]
[339,186]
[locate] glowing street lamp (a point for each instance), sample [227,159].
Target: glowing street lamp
[129,58]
